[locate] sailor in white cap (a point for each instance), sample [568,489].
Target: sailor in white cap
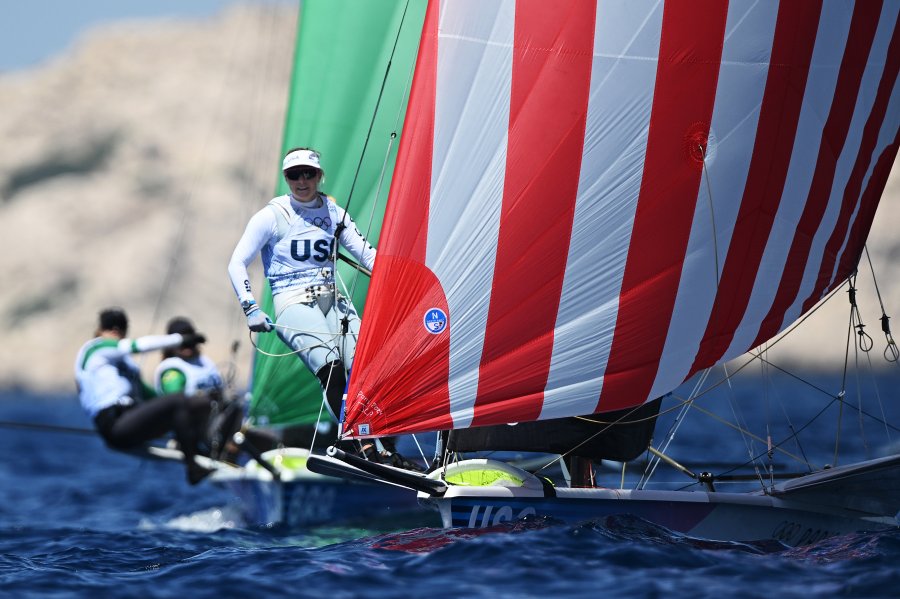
[296,235]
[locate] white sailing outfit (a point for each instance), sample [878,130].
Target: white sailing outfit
[126,412]
[296,242]
[106,375]
[199,373]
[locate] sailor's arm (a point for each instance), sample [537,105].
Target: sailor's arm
[147,343]
[258,232]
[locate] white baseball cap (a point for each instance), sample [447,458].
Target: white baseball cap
[301,158]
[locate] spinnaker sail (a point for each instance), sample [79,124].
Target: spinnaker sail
[352,61]
[595,199]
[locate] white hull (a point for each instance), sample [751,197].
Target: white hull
[863,497]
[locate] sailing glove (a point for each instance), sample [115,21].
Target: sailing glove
[192,339]
[257,320]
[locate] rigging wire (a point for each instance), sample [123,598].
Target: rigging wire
[388,149]
[741,423]
[744,431]
[815,387]
[654,462]
[787,418]
[696,394]
[768,401]
[732,401]
[878,398]
[859,402]
[377,104]
[851,291]
[794,432]
[673,429]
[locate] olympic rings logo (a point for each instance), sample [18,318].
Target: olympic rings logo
[323,223]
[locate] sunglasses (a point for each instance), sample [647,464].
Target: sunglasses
[298,173]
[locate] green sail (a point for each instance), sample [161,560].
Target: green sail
[343,51]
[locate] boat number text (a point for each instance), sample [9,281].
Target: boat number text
[491,516]
[794,533]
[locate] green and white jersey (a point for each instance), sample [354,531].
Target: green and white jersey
[176,374]
[106,375]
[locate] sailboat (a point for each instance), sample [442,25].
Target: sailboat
[351,62]
[596,201]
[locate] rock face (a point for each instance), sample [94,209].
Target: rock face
[131,165]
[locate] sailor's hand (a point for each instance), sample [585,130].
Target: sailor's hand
[259,321]
[192,339]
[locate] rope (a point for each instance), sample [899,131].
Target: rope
[387,153]
[296,351]
[748,439]
[712,214]
[387,70]
[891,352]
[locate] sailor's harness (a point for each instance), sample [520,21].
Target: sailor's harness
[312,293]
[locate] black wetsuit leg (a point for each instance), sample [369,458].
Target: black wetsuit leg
[333,381]
[184,416]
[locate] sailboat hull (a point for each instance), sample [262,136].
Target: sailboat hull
[301,498]
[719,516]
[795,513]
[324,501]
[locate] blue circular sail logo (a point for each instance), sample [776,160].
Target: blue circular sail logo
[435,321]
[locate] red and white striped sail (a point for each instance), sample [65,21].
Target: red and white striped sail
[551,199]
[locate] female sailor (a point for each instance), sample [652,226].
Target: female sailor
[295,234]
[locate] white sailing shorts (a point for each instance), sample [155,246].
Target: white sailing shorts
[313,330]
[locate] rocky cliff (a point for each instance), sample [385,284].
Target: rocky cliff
[131,164]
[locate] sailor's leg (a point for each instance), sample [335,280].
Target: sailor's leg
[333,378]
[144,422]
[305,329]
[313,336]
[184,416]
[190,421]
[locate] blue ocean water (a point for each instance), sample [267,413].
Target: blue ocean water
[79,520]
